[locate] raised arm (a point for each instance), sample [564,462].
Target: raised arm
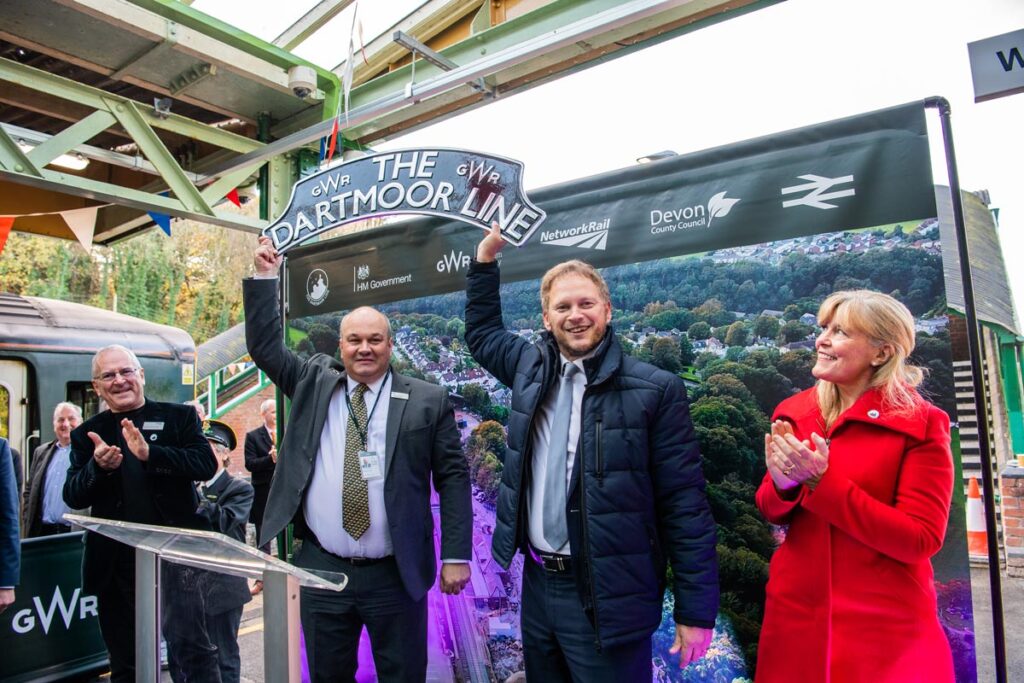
[263,321]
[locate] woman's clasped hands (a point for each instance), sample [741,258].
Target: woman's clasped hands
[792,462]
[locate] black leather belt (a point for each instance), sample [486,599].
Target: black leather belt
[552,562]
[54,529]
[354,561]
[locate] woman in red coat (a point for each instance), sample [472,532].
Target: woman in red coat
[860,468]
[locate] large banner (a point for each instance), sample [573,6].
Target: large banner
[716,262]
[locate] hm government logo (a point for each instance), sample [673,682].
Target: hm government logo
[316,287]
[690,217]
[587,235]
[362,282]
[817,188]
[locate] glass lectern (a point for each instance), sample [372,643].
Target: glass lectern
[218,553]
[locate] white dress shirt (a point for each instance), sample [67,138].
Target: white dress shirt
[538,463]
[322,508]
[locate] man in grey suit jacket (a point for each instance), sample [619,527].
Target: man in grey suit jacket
[353,473]
[44,507]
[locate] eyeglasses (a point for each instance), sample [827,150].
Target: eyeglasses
[125,373]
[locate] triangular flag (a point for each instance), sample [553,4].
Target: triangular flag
[163,220]
[233,198]
[5,229]
[82,223]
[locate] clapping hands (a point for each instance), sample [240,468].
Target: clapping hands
[792,462]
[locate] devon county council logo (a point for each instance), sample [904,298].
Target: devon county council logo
[316,287]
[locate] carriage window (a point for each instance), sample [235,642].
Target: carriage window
[82,394]
[5,411]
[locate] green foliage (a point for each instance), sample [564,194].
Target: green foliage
[699,330]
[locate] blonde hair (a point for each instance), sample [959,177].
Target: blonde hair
[887,322]
[573,267]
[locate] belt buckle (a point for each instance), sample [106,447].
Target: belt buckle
[559,562]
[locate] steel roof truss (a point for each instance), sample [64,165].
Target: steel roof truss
[71,137]
[13,159]
[153,147]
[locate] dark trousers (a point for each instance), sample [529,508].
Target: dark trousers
[191,654]
[559,643]
[116,607]
[223,630]
[374,597]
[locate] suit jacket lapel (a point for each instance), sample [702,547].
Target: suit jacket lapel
[396,407]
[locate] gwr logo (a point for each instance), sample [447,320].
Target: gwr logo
[25,620]
[452,262]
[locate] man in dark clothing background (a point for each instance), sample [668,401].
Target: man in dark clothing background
[601,485]
[226,501]
[136,462]
[261,460]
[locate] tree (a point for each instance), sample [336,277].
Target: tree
[793,331]
[737,335]
[699,330]
[476,397]
[324,339]
[685,350]
[665,355]
[796,367]
[766,326]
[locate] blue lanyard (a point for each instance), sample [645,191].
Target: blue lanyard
[369,418]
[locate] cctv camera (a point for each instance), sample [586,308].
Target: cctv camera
[302,80]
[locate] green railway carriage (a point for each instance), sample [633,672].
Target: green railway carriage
[46,349]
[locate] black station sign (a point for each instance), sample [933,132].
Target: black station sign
[479,189]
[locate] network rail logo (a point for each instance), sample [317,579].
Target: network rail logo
[587,235]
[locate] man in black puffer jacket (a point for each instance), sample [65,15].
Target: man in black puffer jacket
[595,549]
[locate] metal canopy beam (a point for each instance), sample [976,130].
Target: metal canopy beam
[139,121]
[437,59]
[64,183]
[503,49]
[310,23]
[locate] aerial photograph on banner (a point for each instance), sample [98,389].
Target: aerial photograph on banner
[738,325]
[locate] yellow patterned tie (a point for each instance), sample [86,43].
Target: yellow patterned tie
[355,505]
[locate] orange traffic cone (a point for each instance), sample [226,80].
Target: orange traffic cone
[977,539]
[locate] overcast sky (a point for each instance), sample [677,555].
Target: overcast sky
[792,64]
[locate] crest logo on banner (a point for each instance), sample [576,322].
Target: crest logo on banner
[316,287]
[474,188]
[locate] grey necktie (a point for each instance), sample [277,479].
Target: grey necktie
[556,531]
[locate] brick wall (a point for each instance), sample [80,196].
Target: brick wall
[958,337]
[1012,487]
[242,419]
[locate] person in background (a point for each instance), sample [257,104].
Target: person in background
[260,460]
[379,439]
[43,501]
[136,462]
[601,486]
[225,502]
[860,468]
[10,544]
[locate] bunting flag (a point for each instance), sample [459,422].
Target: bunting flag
[234,198]
[162,219]
[82,222]
[5,229]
